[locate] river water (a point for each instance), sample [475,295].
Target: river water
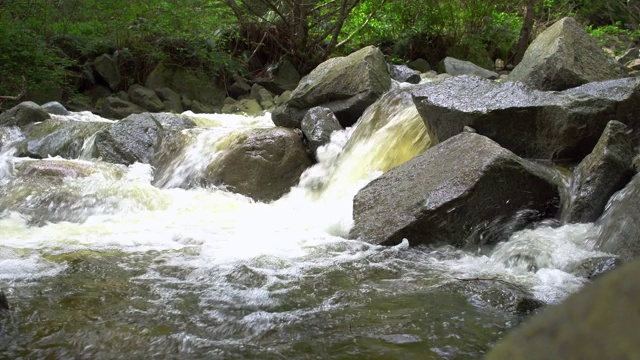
[130,263]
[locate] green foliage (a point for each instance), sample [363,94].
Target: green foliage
[614,37]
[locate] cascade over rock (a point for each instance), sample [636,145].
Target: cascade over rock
[346,85]
[25,113]
[619,226]
[58,138]
[262,163]
[598,322]
[457,67]
[531,123]
[565,56]
[603,172]
[460,192]
[130,140]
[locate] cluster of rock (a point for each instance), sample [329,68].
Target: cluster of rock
[486,176]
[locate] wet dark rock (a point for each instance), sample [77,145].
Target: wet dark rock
[262,163]
[420,65]
[116,108]
[64,138]
[592,268]
[533,124]
[170,99]
[25,113]
[598,322]
[239,88]
[4,303]
[495,293]
[619,226]
[56,168]
[457,67]
[282,77]
[193,84]
[565,56]
[403,73]
[145,98]
[346,85]
[464,191]
[54,107]
[603,172]
[107,67]
[202,108]
[317,126]
[130,140]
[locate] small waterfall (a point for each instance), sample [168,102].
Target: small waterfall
[389,133]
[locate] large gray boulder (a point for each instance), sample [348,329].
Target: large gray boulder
[346,85]
[462,192]
[64,138]
[262,163]
[457,67]
[565,56]
[107,67]
[25,113]
[533,124]
[145,98]
[130,140]
[115,108]
[599,322]
[606,170]
[54,107]
[619,226]
[317,126]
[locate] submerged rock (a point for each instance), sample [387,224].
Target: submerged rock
[130,140]
[619,226]
[533,124]
[598,322]
[462,192]
[346,85]
[317,126]
[457,67]
[25,113]
[606,170]
[565,56]
[262,163]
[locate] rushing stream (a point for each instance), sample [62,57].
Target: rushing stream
[131,263]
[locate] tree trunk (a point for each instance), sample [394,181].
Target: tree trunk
[525,32]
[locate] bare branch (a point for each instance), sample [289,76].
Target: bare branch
[20,96]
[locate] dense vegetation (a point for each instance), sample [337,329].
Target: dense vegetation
[51,42]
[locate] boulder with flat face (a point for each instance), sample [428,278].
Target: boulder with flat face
[565,56]
[346,85]
[462,192]
[533,124]
[606,170]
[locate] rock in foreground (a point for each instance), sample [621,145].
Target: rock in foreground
[599,322]
[460,192]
